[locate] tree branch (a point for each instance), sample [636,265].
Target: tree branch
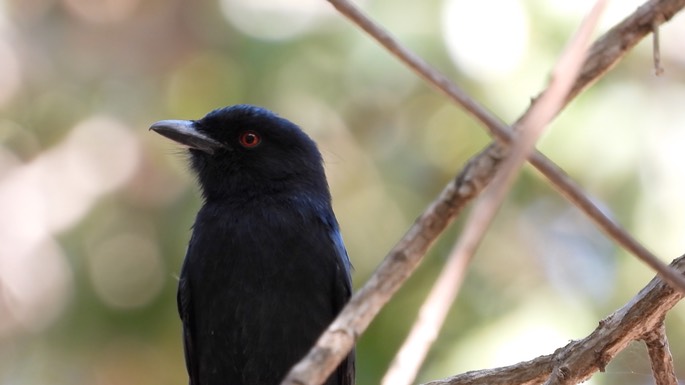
[660,355]
[604,54]
[577,361]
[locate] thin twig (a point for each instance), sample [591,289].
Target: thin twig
[407,362]
[401,261]
[656,50]
[577,361]
[603,55]
[660,356]
[411,355]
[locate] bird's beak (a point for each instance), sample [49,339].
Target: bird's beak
[185,132]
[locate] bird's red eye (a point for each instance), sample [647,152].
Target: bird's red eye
[249,139]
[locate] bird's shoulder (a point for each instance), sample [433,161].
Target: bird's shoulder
[264,226]
[266,212]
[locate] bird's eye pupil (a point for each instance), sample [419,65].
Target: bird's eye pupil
[249,139]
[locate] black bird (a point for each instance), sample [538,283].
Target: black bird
[266,270]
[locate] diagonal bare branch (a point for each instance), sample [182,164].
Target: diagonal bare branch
[604,54]
[411,355]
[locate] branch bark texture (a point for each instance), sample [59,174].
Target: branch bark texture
[577,361]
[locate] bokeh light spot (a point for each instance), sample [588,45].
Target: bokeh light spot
[126,271]
[103,154]
[274,20]
[101,11]
[99,155]
[10,72]
[486,45]
[35,286]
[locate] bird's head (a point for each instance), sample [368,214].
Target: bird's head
[243,151]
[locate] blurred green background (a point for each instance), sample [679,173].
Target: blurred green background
[95,210]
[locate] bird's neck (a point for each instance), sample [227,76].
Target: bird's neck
[256,199]
[244,190]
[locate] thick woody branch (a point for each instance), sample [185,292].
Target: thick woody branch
[660,356]
[577,361]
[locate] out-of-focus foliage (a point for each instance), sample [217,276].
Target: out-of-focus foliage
[95,210]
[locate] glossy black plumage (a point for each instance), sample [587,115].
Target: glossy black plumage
[266,270]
